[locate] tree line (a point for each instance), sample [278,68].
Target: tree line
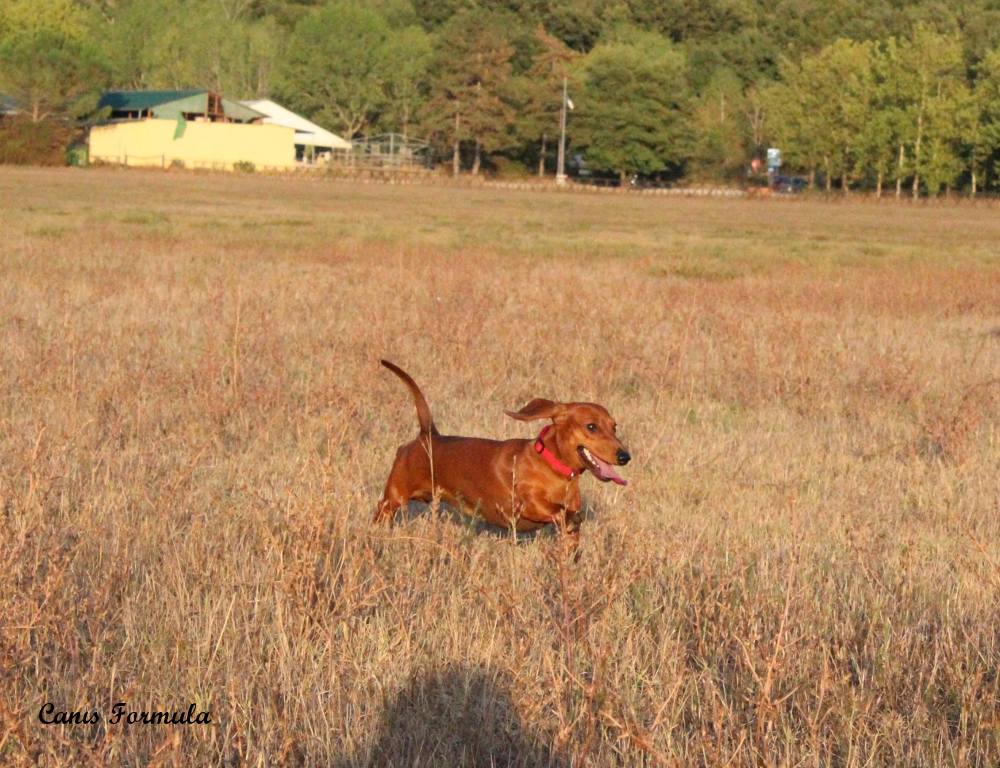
[900,98]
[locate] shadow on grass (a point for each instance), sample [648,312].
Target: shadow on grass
[443,511]
[459,716]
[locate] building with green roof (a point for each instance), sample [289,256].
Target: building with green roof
[195,128]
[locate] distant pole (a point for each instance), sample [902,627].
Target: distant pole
[561,161]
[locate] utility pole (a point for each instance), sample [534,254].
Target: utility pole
[561,160]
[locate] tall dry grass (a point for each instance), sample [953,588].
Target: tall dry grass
[803,571]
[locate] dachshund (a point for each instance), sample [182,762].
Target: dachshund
[525,484]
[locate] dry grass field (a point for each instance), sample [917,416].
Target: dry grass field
[804,569]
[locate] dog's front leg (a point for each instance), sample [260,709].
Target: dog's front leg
[538,509]
[569,530]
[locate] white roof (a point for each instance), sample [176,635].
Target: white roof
[306,132]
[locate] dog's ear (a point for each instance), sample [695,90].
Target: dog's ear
[539,408]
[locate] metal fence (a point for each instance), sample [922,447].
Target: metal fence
[386,150]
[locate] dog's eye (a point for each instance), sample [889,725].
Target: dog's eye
[592,427]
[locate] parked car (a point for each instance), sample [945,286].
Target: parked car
[657,180]
[789,185]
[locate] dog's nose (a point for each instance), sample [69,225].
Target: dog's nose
[623,457]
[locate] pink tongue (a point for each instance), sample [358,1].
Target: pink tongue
[607,472]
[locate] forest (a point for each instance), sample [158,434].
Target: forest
[887,97]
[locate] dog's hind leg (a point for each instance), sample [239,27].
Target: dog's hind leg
[399,489]
[387,508]
[394,500]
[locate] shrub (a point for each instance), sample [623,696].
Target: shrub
[508,168]
[23,142]
[244,166]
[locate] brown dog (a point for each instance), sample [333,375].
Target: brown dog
[524,483]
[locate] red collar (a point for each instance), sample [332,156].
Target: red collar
[550,458]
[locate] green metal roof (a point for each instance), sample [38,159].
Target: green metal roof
[170,105]
[135,101]
[237,111]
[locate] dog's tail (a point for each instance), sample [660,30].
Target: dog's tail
[423,410]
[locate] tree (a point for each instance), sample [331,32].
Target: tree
[850,105]
[469,99]
[632,113]
[434,13]
[793,113]
[820,112]
[843,77]
[981,120]
[63,17]
[580,24]
[50,73]
[133,47]
[750,53]
[539,92]
[408,57]
[685,20]
[931,87]
[48,63]
[192,43]
[787,106]
[755,116]
[337,65]
[717,119]
[881,138]
[249,58]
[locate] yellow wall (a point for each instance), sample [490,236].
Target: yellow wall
[151,142]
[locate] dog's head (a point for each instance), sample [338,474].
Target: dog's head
[584,435]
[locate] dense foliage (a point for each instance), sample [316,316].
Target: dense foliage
[902,96]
